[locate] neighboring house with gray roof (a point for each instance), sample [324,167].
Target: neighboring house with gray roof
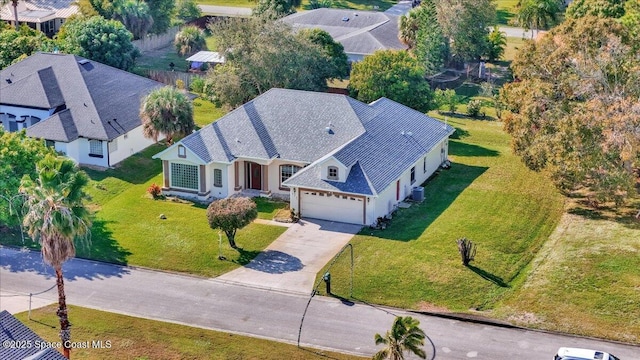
[21,343]
[360,32]
[86,110]
[44,15]
[334,157]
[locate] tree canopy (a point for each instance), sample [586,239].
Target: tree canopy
[432,48]
[392,74]
[187,10]
[599,8]
[161,11]
[275,9]
[575,109]
[18,157]
[405,336]
[231,214]
[105,41]
[538,14]
[332,50]
[166,111]
[18,44]
[261,55]
[189,40]
[135,16]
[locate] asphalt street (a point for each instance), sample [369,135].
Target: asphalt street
[213,304]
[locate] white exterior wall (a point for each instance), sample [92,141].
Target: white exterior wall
[343,171]
[227,180]
[83,153]
[127,144]
[19,112]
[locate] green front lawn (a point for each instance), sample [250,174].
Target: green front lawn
[487,196]
[506,10]
[205,112]
[141,339]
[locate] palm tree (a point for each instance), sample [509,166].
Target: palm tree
[537,14]
[14,3]
[166,111]
[56,216]
[136,17]
[405,335]
[190,40]
[408,28]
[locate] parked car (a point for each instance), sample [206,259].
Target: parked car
[582,354]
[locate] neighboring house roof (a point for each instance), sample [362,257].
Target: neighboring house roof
[360,32]
[292,125]
[39,11]
[11,329]
[102,102]
[285,124]
[207,57]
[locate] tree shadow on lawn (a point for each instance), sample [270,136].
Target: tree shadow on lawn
[463,149]
[488,276]
[440,192]
[625,217]
[503,16]
[245,256]
[103,247]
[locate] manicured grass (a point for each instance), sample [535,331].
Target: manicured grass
[585,279]
[137,338]
[513,45]
[127,228]
[487,196]
[205,112]
[268,208]
[506,10]
[160,60]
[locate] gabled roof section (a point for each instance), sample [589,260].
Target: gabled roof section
[103,101]
[360,32]
[59,127]
[397,138]
[11,329]
[286,124]
[311,176]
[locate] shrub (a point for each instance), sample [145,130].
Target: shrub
[197,85]
[473,108]
[154,190]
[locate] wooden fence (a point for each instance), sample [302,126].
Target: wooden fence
[155,41]
[171,77]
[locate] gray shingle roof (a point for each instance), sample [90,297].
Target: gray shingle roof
[364,32]
[286,124]
[383,153]
[95,94]
[11,329]
[310,176]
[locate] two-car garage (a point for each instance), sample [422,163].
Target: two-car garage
[332,206]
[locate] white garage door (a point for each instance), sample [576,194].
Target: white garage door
[342,208]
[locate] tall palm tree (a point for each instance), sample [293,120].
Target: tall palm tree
[408,28]
[166,111]
[14,3]
[56,217]
[136,17]
[189,40]
[537,14]
[405,335]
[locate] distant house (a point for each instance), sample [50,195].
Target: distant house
[85,109]
[44,15]
[334,157]
[28,344]
[360,32]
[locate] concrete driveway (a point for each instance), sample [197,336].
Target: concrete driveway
[292,261]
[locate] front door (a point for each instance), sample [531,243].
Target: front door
[254,176]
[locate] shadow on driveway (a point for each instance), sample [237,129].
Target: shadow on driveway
[275,262]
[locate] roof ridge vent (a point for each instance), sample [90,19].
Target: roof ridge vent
[345,18]
[83,61]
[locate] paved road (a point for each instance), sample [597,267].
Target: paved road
[213,304]
[224,10]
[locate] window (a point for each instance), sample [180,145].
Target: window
[184,176]
[217,177]
[413,174]
[182,152]
[50,143]
[333,173]
[95,148]
[287,171]
[424,165]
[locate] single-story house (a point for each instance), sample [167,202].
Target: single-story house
[334,157]
[28,345]
[84,109]
[360,32]
[44,15]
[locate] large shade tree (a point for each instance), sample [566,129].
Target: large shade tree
[166,111]
[575,110]
[56,217]
[538,14]
[16,45]
[392,74]
[18,157]
[231,214]
[105,41]
[598,8]
[136,17]
[275,9]
[405,336]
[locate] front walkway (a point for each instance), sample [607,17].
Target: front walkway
[292,261]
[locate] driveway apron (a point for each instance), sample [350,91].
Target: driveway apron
[292,261]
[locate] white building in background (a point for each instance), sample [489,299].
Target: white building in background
[85,109]
[44,15]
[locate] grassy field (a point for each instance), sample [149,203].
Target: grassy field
[141,339]
[487,196]
[204,112]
